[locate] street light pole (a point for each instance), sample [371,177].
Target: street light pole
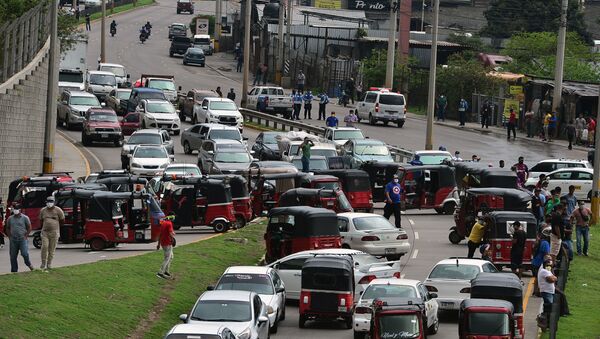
[596,181]
[53,57]
[389,69]
[103,33]
[432,69]
[560,56]
[279,70]
[218,25]
[246,66]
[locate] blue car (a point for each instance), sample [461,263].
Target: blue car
[194,56]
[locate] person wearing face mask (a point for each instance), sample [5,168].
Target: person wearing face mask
[393,200]
[477,235]
[18,227]
[522,171]
[52,219]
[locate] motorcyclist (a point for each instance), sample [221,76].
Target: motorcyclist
[113,27]
[143,33]
[148,27]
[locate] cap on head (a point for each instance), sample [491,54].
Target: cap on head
[395,176]
[50,199]
[516,224]
[547,231]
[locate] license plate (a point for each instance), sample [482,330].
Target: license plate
[341,308]
[390,250]
[447,304]
[104,136]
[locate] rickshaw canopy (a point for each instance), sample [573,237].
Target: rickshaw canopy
[121,184]
[503,220]
[334,273]
[513,198]
[353,180]
[214,190]
[239,184]
[503,286]
[304,221]
[446,176]
[468,303]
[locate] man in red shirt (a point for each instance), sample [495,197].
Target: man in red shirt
[512,124]
[166,237]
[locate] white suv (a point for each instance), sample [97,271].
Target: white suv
[219,111]
[382,105]
[158,113]
[550,165]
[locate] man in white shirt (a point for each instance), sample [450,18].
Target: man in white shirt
[546,281]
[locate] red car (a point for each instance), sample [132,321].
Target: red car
[131,123]
[101,125]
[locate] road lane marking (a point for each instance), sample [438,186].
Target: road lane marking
[411,222]
[416,235]
[528,294]
[415,253]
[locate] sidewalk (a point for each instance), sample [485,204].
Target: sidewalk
[68,158]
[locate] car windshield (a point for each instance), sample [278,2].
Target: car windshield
[150,152]
[453,271]
[70,77]
[491,324]
[162,84]
[294,149]
[372,223]
[195,51]
[314,164]
[269,138]
[123,94]
[160,107]
[103,117]
[150,139]
[389,291]
[85,101]
[345,135]
[232,157]
[258,283]
[398,326]
[390,99]
[103,79]
[433,158]
[223,106]
[116,70]
[202,41]
[183,170]
[152,95]
[228,134]
[371,150]
[222,311]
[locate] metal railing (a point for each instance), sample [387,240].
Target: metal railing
[562,273]
[275,122]
[22,38]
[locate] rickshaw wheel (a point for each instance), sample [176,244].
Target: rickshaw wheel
[176,227]
[37,241]
[449,208]
[439,210]
[499,267]
[433,329]
[454,237]
[359,335]
[301,321]
[97,244]
[348,321]
[219,226]
[240,221]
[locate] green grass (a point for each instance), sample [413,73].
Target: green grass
[261,127]
[109,299]
[583,294]
[418,110]
[117,9]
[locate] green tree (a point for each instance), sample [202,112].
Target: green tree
[68,31]
[474,43]
[211,23]
[12,9]
[374,68]
[535,54]
[508,17]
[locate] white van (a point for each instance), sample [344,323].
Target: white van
[205,42]
[382,105]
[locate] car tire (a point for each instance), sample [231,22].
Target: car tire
[84,140]
[171,54]
[394,257]
[202,65]
[184,63]
[359,335]
[58,121]
[178,12]
[372,120]
[589,195]
[282,317]
[434,328]
[400,124]
[240,222]
[118,143]
[176,226]
[385,123]
[186,148]
[454,237]
[275,326]
[181,115]
[194,119]
[301,321]
[177,132]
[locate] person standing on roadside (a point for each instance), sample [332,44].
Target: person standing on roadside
[305,147]
[519,238]
[591,127]
[529,123]
[297,101]
[218,91]
[300,81]
[546,280]
[580,125]
[393,201]
[332,121]
[486,110]
[240,62]
[442,104]
[546,126]
[463,106]
[552,126]
[540,250]
[166,240]
[571,133]
[359,91]
[231,95]
[18,227]
[571,200]
[88,23]
[350,119]
[512,124]
[553,201]
[522,172]
[476,236]
[52,219]
[323,101]
[257,75]
[350,89]
[264,70]
[308,98]
[581,216]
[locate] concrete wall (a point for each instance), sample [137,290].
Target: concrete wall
[22,121]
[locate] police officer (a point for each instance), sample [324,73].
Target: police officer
[393,199]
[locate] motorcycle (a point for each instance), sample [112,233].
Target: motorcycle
[343,99]
[113,31]
[143,37]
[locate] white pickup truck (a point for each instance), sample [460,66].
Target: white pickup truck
[270,99]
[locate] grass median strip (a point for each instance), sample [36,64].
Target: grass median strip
[114,298]
[117,9]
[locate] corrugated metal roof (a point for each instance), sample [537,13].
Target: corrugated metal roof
[412,42]
[572,88]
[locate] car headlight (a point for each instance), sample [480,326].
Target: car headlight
[270,310]
[245,334]
[135,165]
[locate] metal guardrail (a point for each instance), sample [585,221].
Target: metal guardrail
[275,122]
[562,274]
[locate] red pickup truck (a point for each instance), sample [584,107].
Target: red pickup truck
[101,125]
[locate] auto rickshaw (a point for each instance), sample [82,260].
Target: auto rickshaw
[502,286]
[486,319]
[31,193]
[109,218]
[127,183]
[327,289]
[356,184]
[397,318]
[380,174]
[478,175]
[333,199]
[500,233]
[300,228]
[197,201]
[308,180]
[429,186]
[241,198]
[485,200]
[267,188]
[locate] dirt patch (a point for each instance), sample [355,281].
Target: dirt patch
[154,314]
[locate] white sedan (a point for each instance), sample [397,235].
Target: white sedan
[449,276]
[374,234]
[394,288]
[581,178]
[366,269]
[149,160]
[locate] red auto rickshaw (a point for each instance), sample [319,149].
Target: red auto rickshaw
[333,199]
[267,188]
[397,318]
[300,228]
[486,319]
[500,236]
[484,200]
[31,193]
[327,289]
[430,186]
[356,184]
[241,198]
[478,175]
[123,183]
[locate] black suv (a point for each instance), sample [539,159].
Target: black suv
[179,45]
[185,6]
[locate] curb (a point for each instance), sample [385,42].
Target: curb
[85,160]
[83,150]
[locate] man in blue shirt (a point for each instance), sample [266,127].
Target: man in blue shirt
[308,97]
[323,105]
[297,99]
[416,161]
[393,199]
[332,121]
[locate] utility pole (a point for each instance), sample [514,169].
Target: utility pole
[423,16]
[560,57]
[246,66]
[290,13]
[279,70]
[596,181]
[53,57]
[218,25]
[389,68]
[103,33]
[432,69]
